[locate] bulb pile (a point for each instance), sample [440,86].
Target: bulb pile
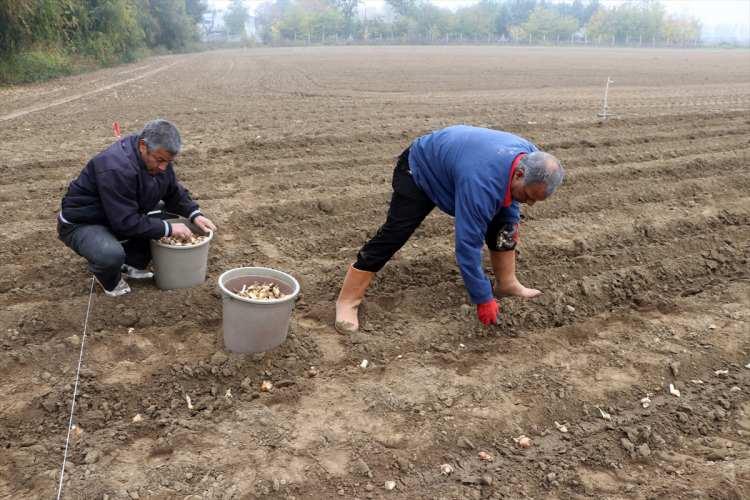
[260,291]
[176,241]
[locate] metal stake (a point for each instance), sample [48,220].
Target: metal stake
[604,114]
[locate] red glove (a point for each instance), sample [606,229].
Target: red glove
[488,312]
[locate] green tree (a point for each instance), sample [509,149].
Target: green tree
[404,8]
[26,23]
[579,9]
[547,24]
[166,23]
[627,22]
[348,10]
[433,22]
[236,17]
[477,19]
[108,30]
[520,10]
[195,9]
[681,30]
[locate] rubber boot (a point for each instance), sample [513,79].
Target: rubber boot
[350,297]
[506,283]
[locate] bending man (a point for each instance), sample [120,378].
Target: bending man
[104,216]
[479,176]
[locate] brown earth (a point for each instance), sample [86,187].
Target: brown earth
[642,254]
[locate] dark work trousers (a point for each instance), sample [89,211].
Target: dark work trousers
[103,251]
[409,207]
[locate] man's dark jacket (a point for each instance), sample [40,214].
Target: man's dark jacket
[116,190]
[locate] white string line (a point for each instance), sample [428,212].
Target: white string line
[75,390]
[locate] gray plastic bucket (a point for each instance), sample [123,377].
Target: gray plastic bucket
[181,267]
[255,325]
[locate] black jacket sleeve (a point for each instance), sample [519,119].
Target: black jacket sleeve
[177,199]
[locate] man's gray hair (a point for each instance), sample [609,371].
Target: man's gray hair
[161,134]
[540,167]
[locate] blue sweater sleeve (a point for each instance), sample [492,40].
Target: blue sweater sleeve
[117,192]
[474,211]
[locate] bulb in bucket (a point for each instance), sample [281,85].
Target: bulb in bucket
[260,291]
[177,241]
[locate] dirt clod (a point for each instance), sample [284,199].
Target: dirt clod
[465,443]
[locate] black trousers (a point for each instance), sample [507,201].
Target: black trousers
[409,207]
[103,251]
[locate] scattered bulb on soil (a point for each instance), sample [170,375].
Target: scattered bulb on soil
[735,389]
[189,402]
[483,455]
[721,372]
[364,364]
[561,427]
[604,414]
[446,469]
[523,441]
[697,381]
[137,418]
[747,366]
[260,291]
[389,485]
[312,372]
[712,327]
[673,391]
[266,386]
[228,394]
[646,402]
[131,330]
[77,430]
[176,241]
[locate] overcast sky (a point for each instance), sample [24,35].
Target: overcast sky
[710,12]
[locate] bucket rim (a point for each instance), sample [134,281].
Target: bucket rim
[186,247]
[231,294]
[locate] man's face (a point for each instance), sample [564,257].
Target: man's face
[156,160]
[526,194]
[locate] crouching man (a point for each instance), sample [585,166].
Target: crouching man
[104,216]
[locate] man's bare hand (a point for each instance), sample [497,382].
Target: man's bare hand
[204,223]
[181,231]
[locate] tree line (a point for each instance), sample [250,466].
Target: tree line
[44,38]
[526,21]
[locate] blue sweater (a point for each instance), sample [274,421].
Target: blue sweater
[116,190]
[466,172]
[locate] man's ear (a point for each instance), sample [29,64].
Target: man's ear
[518,173]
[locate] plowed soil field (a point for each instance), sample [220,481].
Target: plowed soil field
[642,255]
